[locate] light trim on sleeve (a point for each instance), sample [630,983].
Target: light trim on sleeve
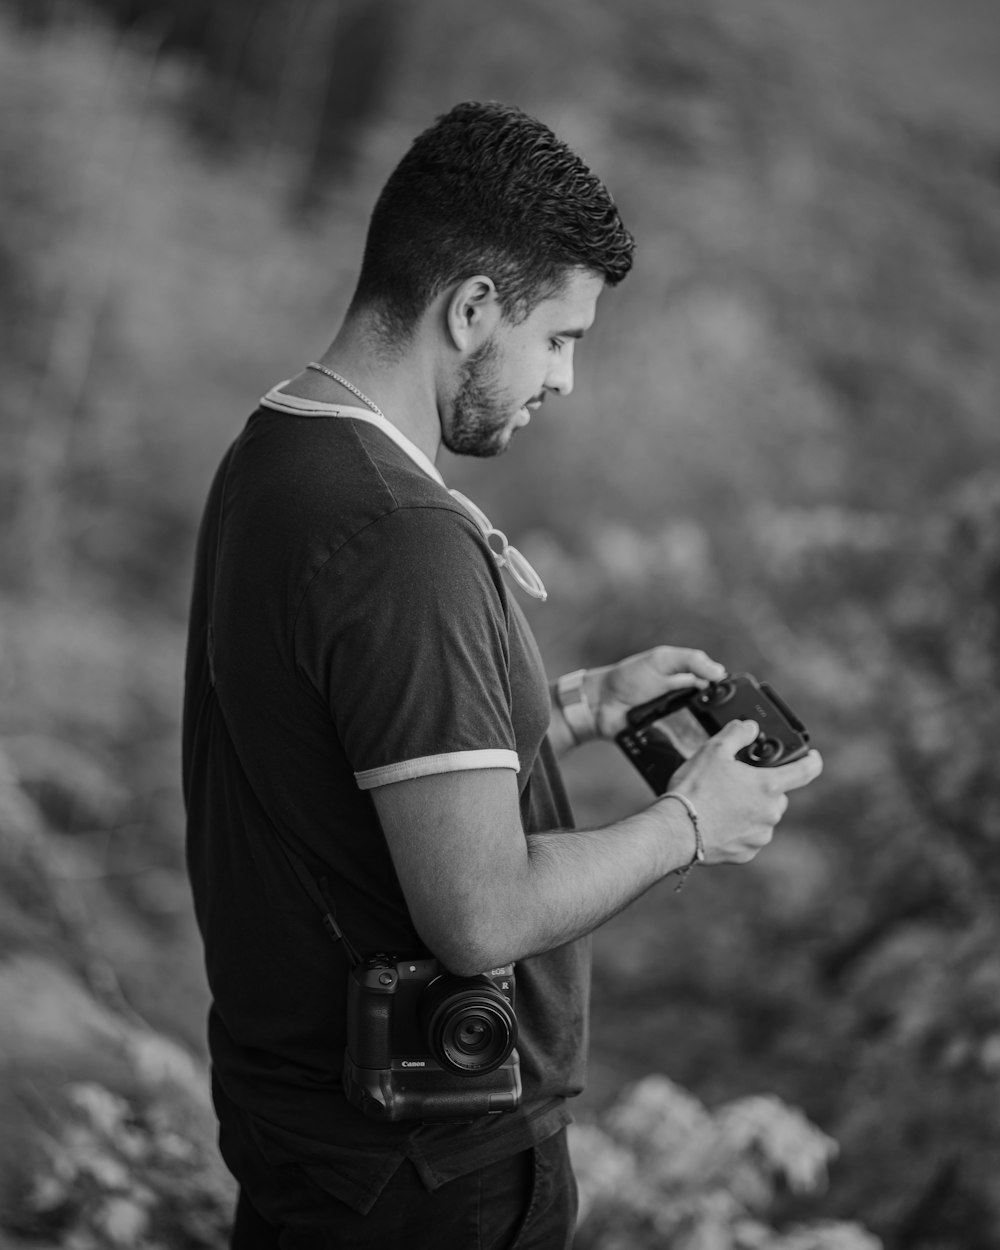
[428,765]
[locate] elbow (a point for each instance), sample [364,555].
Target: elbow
[468,949]
[465,964]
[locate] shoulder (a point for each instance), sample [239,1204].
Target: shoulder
[326,480]
[417,579]
[422,541]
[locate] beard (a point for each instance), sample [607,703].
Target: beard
[481,414]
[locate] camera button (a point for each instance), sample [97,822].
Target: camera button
[765,750]
[386,978]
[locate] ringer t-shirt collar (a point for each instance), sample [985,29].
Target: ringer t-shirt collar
[521,571]
[294,405]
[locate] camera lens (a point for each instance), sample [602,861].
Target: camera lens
[469,1025]
[473,1035]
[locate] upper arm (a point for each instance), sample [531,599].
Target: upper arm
[403,635]
[458,846]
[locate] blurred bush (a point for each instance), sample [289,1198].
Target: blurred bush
[660,1169]
[856,967]
[120,1173]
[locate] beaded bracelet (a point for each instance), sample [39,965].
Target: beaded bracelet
[699,845]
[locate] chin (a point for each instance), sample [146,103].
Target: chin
[481,451]
[480,445]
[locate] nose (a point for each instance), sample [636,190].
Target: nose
[560,377]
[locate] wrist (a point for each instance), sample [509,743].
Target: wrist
[699,845]
[574,704]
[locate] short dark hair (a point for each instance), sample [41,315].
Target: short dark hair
[487,189]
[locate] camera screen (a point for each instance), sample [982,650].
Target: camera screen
[682,730]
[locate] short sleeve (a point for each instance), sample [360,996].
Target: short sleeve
[404,632]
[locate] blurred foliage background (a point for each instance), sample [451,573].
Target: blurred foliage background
[783,447]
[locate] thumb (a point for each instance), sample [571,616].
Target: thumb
[736,735]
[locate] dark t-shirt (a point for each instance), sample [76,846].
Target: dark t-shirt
[349,628]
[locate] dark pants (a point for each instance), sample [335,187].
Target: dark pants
[527,1202]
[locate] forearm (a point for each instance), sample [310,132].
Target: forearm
[568,883]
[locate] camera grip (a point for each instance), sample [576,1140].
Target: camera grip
[369,1018]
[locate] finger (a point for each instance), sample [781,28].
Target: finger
[683,681]
[799,773]
[688,660]
[736,735]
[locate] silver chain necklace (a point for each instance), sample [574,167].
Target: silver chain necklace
[348,386]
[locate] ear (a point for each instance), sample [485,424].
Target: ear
[472,312]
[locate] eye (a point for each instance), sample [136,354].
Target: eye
[556,345]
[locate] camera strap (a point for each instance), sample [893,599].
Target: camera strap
[319,892]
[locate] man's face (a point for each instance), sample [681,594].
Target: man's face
[511,373]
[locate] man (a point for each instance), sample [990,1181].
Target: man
[369,732]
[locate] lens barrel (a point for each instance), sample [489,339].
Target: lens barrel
[469,1026]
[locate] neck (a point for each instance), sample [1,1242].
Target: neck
[403,387]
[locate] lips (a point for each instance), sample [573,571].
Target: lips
[523,414]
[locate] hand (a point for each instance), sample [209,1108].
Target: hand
[612,690]
[738,805]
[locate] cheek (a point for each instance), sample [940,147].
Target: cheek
[530,367]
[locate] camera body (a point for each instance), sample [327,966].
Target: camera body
[666,731]
[423,1044]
